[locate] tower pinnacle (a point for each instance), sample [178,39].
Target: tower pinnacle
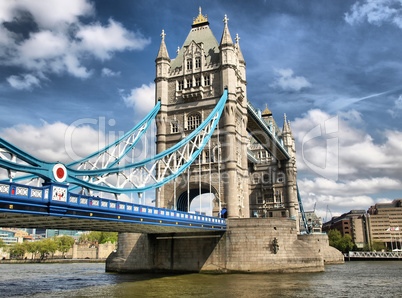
[225,20]
[226,38]
[200,20]
[163,53]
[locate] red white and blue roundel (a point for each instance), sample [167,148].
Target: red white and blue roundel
[59,172]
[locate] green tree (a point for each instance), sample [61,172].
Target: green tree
[32,247]
[109,237]
[342,243]
[64,243]
[17,250]
[2,244]
[345,244]
[46,246]
[334,237]
[377,246]
[99,237]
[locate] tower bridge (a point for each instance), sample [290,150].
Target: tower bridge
[209,139]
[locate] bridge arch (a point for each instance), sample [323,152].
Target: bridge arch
[194,191]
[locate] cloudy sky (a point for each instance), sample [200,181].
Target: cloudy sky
[77,71]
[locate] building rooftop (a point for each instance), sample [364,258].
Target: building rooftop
[202,35]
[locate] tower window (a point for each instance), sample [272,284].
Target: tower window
[193,121]
[180,85]
[189,64]
[197,82]
[207,80]
[208,157]
[197,62]
[189,83]
[174,127]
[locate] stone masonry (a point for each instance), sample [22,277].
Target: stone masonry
[247,246]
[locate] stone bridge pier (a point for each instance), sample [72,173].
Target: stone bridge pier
[248,245]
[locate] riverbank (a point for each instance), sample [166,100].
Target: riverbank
[47,261]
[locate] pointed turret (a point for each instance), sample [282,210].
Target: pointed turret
[286,128]
[240,59]
[287,137]
[162,71]
[239,53]
[226,39]
[163,53]
[228,59]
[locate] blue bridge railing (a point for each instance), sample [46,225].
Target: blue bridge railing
[60,202]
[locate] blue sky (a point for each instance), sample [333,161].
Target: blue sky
[334,67]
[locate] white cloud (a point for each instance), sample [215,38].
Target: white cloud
[49,14]
[73,66]
[63,42]
[142,99]
[357,152]
[26,81]
[356,187]
[329,205]
[50,142]
[286,80]
[376,12]
[43,45]
[103,41]
[383,200]
[395,112]
[365,167]
[106,72]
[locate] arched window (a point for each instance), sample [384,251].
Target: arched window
[193,121]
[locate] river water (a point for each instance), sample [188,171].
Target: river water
[352,279]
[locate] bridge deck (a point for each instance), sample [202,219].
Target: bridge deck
[40,207]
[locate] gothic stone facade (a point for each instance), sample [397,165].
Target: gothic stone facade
[188,88]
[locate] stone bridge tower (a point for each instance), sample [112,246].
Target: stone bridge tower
[188,88]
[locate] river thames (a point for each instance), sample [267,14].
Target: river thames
[352,279]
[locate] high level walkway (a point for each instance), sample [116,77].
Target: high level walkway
[265,135]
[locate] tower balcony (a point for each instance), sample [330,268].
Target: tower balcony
[194,93]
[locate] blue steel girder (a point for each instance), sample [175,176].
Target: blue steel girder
[29,163]
[159,169]
[303,215]
[107,157]
[137,177]
[257,127]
